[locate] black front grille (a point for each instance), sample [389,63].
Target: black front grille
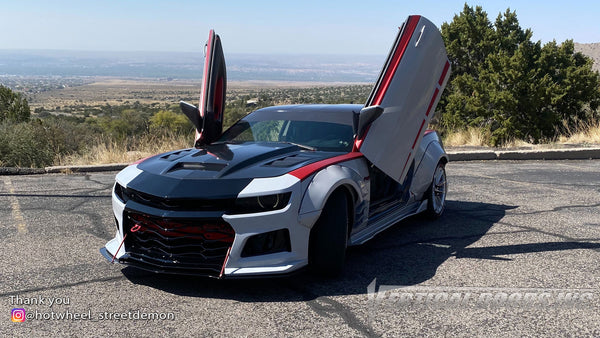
[179,204]
[189,246]
[230,206]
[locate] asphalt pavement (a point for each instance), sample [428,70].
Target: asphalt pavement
[515,254]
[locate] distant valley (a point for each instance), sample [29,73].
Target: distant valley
[188,66]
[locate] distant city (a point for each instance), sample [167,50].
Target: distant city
[167,65]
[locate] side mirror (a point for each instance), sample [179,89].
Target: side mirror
[366,116]
[193,113]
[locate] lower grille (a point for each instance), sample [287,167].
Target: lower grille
[185,246]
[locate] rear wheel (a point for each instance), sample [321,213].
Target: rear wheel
[328,238]
[437,192]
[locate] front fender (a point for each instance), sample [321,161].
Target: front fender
[353,175]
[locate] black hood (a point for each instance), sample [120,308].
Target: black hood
[220,170]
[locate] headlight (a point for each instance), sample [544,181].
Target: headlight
[120,192]
[261,203]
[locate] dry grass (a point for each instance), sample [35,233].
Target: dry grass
[469,137]
[148,145]
[584,133]
[120,152]
[515,143]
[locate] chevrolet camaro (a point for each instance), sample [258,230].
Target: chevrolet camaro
[288,187]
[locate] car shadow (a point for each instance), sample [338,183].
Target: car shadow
[406,254]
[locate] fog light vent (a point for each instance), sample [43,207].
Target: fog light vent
[267,243]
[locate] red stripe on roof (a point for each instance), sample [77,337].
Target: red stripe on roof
[304,172]
[410,27]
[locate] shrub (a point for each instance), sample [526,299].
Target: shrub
[25,145]
[166,121]
[13,106]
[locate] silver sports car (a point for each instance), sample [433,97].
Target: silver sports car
[289,186]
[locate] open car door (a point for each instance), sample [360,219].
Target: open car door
[208,119]
[396,114]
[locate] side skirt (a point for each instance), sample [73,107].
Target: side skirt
[383,222]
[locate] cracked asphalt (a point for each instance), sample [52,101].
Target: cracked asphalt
[510,229]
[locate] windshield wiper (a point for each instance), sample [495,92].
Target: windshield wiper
[228,142]
[303,146]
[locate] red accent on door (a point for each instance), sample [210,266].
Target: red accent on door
[410,27]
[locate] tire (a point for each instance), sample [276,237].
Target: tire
[436,194]
[329,237]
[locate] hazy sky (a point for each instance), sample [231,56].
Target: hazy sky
[257,26]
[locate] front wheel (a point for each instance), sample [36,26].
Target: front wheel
[329,237]
[437,192]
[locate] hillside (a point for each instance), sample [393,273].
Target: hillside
[592,50]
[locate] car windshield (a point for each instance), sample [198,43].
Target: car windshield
[309,134]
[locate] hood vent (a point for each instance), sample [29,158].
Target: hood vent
[198,166]
[176,155]
[288,161]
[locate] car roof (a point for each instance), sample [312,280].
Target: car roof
[325,108]
[337,113]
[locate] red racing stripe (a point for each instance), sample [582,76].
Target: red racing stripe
[435,94]
[205,76]
[410,27]
[419,133]
[304,172]
[444,72]
[359,141]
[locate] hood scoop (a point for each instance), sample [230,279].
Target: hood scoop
[198,166]
[288,161]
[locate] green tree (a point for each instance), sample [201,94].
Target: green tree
[511,86]
[168,121]
[13,106]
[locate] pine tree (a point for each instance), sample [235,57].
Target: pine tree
[509,85]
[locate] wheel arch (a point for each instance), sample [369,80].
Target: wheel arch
[351,199]
[433,153]
[325,183]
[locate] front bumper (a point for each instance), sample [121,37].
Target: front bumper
[158,250]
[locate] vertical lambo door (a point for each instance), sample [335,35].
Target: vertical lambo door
[403,100]
[208,119]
